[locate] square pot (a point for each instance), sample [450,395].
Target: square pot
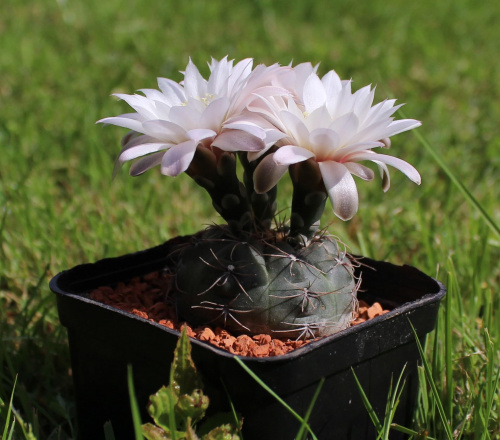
[104,340]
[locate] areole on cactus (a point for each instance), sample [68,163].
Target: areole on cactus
[253,275]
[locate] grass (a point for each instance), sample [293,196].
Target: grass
[61,60]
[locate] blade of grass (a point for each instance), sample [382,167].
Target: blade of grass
[392,404]
[11,432]
[29,313]
[6,434]
[493,394]
[393,397]
[432,384]
[301,435]
[2,226]
[423,410]
[237,421]
[480,424]
[409,431]
[367,404]
[272,393]
[448,344]
[491,382]
[136,418]
[436,370]
[26,429]
[363,245]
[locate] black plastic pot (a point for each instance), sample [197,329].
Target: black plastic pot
[104,340]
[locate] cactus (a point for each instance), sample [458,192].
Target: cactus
[259,286]
[248,278]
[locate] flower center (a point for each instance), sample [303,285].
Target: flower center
[207,99]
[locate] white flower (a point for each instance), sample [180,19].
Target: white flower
[168,125]
[329,124]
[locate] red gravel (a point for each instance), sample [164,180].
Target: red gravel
[147,297]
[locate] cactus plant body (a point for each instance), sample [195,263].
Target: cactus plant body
[258,286]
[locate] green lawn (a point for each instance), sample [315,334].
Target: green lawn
[61,60]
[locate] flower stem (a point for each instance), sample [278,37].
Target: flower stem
[263,205]
[309,200]
[216,173]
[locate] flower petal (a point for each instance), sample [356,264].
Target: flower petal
[178,158]
[237,140]
[345,126]
[133,138]
[268,108]
[294,109]
[140,104]
[324,142]
[173,92]
[155,95]
[319,118]
[273,136]
[295,127]
[200,134]
[131,121]
[384,174]
[332,84]
[401,125]
[141,150]
[195,86]
[267,174]
[142,165]
[165,131]
[314,93]
[395,162]
[214,115]
[343,154]
[290,154]
[341,189]
[342,103]
[360,171]
[248,127]
[187,116]
[219,73]
[363,99]
[239,73]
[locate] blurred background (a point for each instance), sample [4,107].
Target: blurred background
[60,60]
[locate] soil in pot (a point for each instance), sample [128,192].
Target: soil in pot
[150,298]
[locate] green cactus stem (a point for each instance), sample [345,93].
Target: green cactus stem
[265,286]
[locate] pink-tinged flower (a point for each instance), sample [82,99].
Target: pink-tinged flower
[329,124]
[169,124]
